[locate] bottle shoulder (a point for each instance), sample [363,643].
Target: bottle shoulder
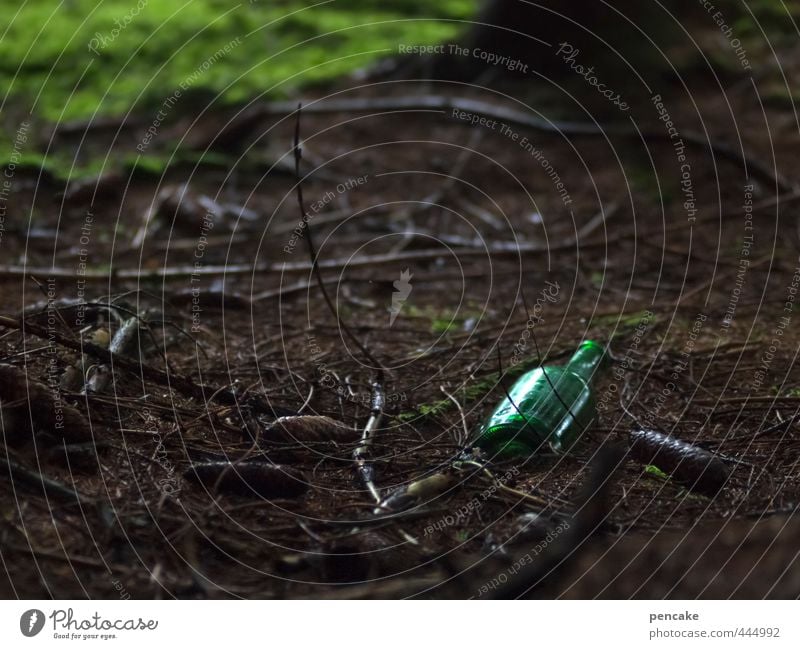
[554,373]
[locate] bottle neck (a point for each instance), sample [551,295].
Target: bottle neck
[587,360]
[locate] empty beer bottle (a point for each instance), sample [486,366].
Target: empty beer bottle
[549,409]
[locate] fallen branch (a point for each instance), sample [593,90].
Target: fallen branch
[40,406]
[511,248]
[364,468]
[444,104]
[52,488]
[312,252]
[184,385]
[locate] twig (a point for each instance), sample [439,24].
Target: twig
[364,469]
[287,289]
[461,442]
[536,500]
[182,384]
[298,158]
[443,104]
[774,201]
[745,399]
[53,488]
[597,220]
[719,276]
[782,426]
[433,199]
[334,216]
[499,249]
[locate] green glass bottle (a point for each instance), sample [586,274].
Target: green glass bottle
[536,413]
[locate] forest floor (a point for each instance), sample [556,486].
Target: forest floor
[430,227]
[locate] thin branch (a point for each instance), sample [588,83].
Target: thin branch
[461,442]
[182,384]
[53,488]
[444,104]
[364,469]
[298,158]
[499,249]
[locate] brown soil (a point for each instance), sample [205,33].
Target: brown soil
[145,530]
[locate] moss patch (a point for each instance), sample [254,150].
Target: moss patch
[467,395]
[67,60]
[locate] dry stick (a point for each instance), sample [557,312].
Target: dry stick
[323,219]
[461,442]
[41,287]
[707,285]
[441,192]
[363,468]
[768,203]
[312,253]
[597,220]
[284,290]
[565,244]
[782,426]
[53,488]
[175,272]
[511,116]
[180,383]
[521,495]
[87,562]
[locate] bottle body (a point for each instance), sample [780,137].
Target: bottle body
[546,406]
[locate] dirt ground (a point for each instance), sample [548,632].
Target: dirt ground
[692,290]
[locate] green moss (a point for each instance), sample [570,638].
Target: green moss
[157,165]
[56,164]
[62,166]
[466,395]
[654,471]
[644,179]
[440,326]
[273,47]
[777,95]
[442,322]
[622,323]
[773,17]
